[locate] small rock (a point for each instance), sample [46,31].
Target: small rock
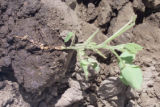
[118,101]
[131,93]
[2,85]
[74,84]
[147,101]
[138,5]
[132,104]
[104,103]
[157,88]
[110,87]
[10,96]
[152,3]
[71,95]
[71,3]
[104,13]
[114,70]
[93,99]
[5,61]
[64,33]
[42,104]
[79,77]
[90,106]
[148,75]
[91,12]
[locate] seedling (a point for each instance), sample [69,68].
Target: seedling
[130,74]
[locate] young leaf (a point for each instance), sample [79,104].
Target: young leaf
[119,47]
[132,76]
[68,37]
[84,64]
[127,57]
[123,80]
[85,69]
[94,64]
[133,48]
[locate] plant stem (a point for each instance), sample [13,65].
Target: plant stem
[91,37]
[118,57]
[115,53]
[100,53]
[130,24]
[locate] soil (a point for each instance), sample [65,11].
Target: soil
[32,77]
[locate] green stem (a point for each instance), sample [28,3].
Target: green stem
[91,37]
[100,53]
[115,53]
[118,57]
[126,27]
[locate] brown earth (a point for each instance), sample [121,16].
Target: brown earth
[31,77]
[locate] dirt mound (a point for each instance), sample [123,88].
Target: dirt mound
[30,76]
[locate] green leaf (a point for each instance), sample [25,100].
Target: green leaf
[85,69]
[121,64]
[68,37]
[128,52]
[132,76]
[119,47]
[94,64]
[133,48]
[96,67]
[84,64]
[127,57]
[91,60]
[80,53]
[123,80]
